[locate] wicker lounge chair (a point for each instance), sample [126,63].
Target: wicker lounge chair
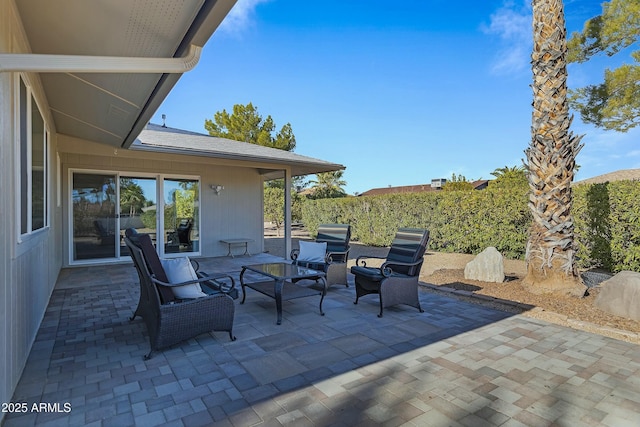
[396,280]
[170,320]
[337,237]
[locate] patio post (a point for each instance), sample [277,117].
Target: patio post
[287,212]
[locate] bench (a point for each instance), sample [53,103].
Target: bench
[238,242]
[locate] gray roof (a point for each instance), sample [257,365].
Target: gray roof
[176,141]
[621,175]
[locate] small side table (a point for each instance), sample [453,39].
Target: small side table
[238,242]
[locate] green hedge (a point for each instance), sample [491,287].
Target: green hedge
[607,221]
[607,218]
[459,221]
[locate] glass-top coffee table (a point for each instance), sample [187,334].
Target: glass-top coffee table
[281,273]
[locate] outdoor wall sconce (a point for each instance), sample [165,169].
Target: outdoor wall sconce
[217,188]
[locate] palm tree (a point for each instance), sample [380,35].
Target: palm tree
[328,185]
[508,170]
[510,176]
[550,255]
[131,196]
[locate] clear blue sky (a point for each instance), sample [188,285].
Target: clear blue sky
[398,93]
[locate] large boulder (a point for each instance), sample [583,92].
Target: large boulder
[488,266]
[620,295]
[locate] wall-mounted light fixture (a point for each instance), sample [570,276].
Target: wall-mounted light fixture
[217,188]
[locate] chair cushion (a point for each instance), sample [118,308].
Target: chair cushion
[371,273]
[180,270]
[337,236]
[155,267]
[312,265]
[408,246]
[312,251]
[133,235]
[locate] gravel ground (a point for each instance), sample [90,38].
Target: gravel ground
[444,273]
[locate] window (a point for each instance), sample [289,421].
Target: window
[33,163]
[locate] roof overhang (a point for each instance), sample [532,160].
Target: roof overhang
[269,162]
[117,59]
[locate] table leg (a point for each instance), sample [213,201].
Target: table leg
[244,294]
[277,287]
[324,292]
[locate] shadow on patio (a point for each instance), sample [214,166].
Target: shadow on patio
[454,364]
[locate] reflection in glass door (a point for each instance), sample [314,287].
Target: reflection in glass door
[181,215]
[94,216]
[138,207]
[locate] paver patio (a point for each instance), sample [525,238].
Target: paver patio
[455,364]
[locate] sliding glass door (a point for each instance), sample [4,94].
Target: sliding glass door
[104,205]
[94,223]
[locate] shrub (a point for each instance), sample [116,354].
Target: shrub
[606,220]
[459,221]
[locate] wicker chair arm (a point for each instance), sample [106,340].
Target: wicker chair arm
[172,285]
[341,255]
[362,258]
[386,270]
[220,276]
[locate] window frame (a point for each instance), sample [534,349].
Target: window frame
[26,105]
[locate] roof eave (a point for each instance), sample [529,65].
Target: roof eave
[298,168]
[204,25]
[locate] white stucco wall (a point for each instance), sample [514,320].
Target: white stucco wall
[30,265]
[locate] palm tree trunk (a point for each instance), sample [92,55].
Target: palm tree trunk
[551,157]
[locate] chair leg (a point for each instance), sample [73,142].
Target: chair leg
[135,314]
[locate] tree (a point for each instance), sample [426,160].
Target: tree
[615,103]
[131,196]
[273,203]
[550,252]
[247,125]
[328,185]
[185,203]
[457,183]
[510,176]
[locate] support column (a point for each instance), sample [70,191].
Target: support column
[287,213]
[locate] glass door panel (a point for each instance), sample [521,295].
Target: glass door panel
[94,216]
[138,207]
[181,216]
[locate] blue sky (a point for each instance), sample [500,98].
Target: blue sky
[399,94]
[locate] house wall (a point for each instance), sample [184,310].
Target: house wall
[235,212]
[29,266]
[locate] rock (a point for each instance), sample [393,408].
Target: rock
[620,295]
[592,279]
[488,266]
